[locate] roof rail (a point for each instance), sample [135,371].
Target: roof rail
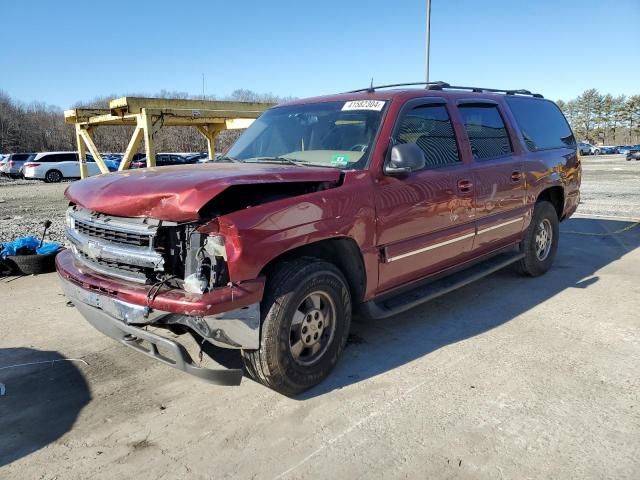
[446,86]
[373,88]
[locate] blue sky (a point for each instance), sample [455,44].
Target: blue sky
[60,52]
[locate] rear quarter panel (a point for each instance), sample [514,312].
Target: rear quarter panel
[558,167]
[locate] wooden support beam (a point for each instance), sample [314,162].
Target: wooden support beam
[124,105]
[146,121]
[84,134]
[79,115]
[82,151]
[238,123]
[132,148]
[210,132]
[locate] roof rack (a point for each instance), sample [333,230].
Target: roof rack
[446,86]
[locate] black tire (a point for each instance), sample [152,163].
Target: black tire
[532,264]
[32,264]
[288,285]
[53,176]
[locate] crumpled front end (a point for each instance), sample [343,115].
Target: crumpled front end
[128,274]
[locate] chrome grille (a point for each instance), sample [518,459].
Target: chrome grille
[117,269]
[115,246]
[115,236]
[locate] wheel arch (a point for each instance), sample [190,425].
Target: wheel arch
[343,252]
[555,196]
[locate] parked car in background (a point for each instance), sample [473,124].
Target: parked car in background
[3,160]
[633,153]
[584,148]
[162,160]
[604,150]
[12,167]
[54,167]
[197,157]
[624,149]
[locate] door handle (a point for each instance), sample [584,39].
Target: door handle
[516,176]
[465,186]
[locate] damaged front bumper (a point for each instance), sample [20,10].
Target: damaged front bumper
[227,317]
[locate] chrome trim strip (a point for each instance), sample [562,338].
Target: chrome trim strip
[430,247]
[500,225]
[453,240]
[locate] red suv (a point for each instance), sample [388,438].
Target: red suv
[367,202]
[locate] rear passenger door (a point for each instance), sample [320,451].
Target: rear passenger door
[498,176]
[425,220]
[66,163]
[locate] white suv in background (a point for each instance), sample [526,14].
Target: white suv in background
[55,166]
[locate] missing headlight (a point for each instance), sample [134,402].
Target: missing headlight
[206,265]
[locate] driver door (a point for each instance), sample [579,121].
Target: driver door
[425,219]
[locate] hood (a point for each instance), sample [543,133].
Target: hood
[178,193]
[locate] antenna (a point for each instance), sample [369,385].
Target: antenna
[203,86]
[371,89]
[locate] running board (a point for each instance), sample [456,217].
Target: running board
[393,305]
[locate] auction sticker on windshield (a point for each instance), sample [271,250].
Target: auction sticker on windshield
[364,105]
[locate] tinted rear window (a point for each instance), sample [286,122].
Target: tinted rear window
[542,124]
[486,131]
[60,157]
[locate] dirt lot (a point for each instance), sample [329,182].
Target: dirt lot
[507,378]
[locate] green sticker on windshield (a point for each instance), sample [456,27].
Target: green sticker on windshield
[340,160]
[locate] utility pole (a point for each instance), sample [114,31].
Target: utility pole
[428,39]
[203,86]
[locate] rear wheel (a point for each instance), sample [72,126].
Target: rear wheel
[540,243]
[53,176]
[306,316]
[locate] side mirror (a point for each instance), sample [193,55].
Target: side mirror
[405,158]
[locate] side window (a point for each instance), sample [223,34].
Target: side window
[429,127]
[542,124]
[486,131]
[64,157]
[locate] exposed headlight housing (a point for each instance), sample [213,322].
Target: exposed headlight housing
[207,264]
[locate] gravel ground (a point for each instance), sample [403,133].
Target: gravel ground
[25,205]
[610,186]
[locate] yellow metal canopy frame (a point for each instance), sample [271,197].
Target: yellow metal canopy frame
[148,115]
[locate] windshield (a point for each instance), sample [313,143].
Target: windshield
[331,134]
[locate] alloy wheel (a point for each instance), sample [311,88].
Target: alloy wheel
[313,328]
[543,239]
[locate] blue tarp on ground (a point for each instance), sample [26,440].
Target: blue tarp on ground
[27,245]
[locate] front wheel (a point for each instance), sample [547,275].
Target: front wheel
[540,243]
[306,316]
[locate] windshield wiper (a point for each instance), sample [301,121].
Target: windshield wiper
[227,159]
[288,160]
